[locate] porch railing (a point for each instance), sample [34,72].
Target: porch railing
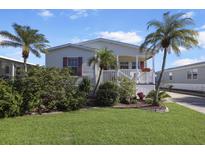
[143,77]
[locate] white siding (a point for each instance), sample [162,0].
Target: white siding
[54,58]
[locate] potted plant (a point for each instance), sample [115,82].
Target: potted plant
[146,70]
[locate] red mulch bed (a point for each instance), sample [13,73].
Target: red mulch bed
[141,105]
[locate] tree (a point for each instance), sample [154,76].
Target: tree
[30,40]
[104,59]
[169,35]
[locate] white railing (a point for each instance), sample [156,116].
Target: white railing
[109,75]
[143,77]
[146,77]
[128,72]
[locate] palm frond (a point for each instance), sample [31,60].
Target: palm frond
[10,44]
[172,31]
[154,23]
[9,36]
[93,61]
[35,52]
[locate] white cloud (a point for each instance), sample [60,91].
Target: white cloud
[187,61]
[45,13]
[188,14]
[182,49]
[78,14]
[127,37]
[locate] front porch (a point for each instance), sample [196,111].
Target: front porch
[133,68]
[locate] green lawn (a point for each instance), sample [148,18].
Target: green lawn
[107,126]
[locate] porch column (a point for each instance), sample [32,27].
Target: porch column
[153,69]
[137,70]
[117,65]
[12,71]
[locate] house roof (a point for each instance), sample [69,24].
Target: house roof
[82,45]
[114,42]
[185,66]
[110,41]
[71,45]
[14,60]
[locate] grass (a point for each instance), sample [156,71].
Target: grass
[107,126]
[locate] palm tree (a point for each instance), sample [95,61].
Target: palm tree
[104,59]
[30,40]
[169,35]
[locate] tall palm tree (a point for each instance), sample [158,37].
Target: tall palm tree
[169,35]
[30,40]
[104,59]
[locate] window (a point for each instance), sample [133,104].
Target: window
[189,75]
[170,76]
[73,65]
[7,70]
[133,65]
[124,65]
[195,73]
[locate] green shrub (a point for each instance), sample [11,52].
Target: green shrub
[162,95]
[85,86]
[134,100]
[107,94]
[77,103]
[127,90]
[10,101]
[109,85]
[48,89]
[148,100]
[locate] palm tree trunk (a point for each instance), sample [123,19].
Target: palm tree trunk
[25,65]
[98,81]
[156,98]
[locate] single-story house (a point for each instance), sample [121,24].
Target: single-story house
[131,62]
[188,77]
[11,67]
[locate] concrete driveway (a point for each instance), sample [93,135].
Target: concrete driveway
[193,102]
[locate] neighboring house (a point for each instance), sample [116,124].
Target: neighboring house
[188,77]
[11,67]
[131,62]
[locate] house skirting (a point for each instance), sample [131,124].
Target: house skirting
[185,86]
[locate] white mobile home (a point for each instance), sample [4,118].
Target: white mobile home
[131,62]
[11,67]
[187,77]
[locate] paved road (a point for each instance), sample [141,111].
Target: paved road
[193,102]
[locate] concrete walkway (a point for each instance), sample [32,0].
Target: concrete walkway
[193,102]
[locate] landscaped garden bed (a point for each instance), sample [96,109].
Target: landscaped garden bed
[142,105]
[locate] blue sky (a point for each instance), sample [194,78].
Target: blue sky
[63,26]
